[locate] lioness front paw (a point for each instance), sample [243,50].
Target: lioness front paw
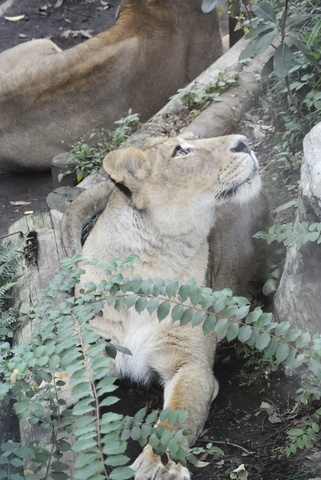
[148,466]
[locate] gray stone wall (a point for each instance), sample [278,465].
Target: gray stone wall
[298,298]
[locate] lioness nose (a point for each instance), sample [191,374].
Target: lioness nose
[241,146]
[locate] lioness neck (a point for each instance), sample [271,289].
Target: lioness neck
[123,230]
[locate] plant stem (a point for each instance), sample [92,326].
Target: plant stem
[295,103]
[87,364]
[284,17]
[287,80]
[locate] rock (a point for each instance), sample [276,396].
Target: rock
[298,296]
[61,198]
[64,163]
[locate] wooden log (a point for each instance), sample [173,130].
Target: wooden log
[42,251]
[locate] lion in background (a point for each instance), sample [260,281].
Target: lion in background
[49,97]
[162,208]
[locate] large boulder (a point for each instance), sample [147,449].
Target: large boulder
[298,296]
[49,98]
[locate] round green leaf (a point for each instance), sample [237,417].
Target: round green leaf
[117,460]
[265,10]
[209,324]
[253,316]
[152,305]
[136,433]
[86,458]
[122,473]
[282,329]
[184,292]
[186,317]
[163,310]
[198,318]
[232,331]
[221,328]
[265,41]
[195,295]
[129,300]
[282,352]
[81,390]
[141,304]
[262,341]
[303,340]
[245,333]
[282,60]
[171,288]
[208,5]
[109,401]
[177,312]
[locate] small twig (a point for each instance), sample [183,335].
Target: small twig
[222,442]
[295,103]
[10,234]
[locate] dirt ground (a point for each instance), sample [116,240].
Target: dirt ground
[239,423]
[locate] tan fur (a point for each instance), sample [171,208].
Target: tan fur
[49,98]
[176,185]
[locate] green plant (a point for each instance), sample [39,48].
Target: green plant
[199,96]
[255,359]
[306,430]
[89,151]
[64,342]
[289,233]
[8,272]
[291,28]
[30,378]
[306,436]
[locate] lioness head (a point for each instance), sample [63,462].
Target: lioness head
[184,179]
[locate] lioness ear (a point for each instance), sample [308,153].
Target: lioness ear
[128,167]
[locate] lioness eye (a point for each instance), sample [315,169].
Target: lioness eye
[180,152]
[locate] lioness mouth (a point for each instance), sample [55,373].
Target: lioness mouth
[232,189]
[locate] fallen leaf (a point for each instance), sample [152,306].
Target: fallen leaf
[274,418]
[43,10]
[105,5]
[58,3]
[16,18]
[239,473]
[267,407]
[20,202]
[86,33]
[259,133]
[74,33]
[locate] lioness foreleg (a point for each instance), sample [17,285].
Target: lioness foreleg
[192,388]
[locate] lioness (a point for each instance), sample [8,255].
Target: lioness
[162,209]
[49,98]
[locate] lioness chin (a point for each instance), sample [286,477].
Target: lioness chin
[162,209]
